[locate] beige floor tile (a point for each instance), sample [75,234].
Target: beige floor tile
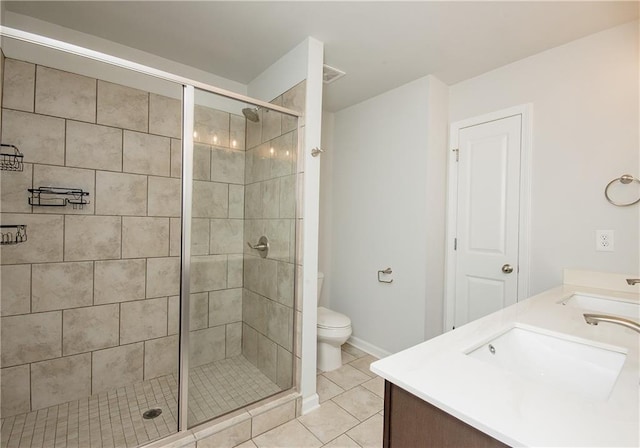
[369,433]
[347,377]
[247,444]
[359,402]
[375,385]
[344,441]
[328,422]
[347,357]
[289,435]
[353,351]
[327,389]
[363,364]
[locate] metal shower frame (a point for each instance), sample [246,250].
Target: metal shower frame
[188,107]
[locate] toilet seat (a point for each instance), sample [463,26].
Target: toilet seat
[329,319]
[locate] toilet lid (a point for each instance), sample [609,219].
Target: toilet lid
[331,319]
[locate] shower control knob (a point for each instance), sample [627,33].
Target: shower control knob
[507,269]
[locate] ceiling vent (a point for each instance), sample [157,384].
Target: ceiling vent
[330,74]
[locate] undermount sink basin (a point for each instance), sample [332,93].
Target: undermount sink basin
[551,359]
[605,305]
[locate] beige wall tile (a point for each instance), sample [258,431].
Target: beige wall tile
[267,353]
[254,310]
[160,357]
[175,233]
[15,281]
[210,200]
[253,201]
[64,94]
[206,345]
[56,176]
[16,390]
[145,237]
[88,329]
[199,311]
[280,324]
[14,196]
[272,418]
[208,273]
[120,194]
[146,154]
[201,162]
[227,165]
[225,306]
[143,319]
[44,241]
[288,197]
[165,196]
[271,198]
[31,337]
[173,315]
[123,107]
[261,276]
[237,132]
[19,85]
[60,380]
[294,99]
[57,286]
[38,137]
[235,266]
[226,236]
[163,277]
[119,281]
[92,237]
[279,233]
[165,116]
[236,201]
[250,344]
[211,126]
[93,146]
[233,339]
[271,124]
[176,158]
[127,360]
[285,283]
[200,236]
[282,155]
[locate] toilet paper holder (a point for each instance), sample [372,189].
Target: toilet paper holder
[386,272]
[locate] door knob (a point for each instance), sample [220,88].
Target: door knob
[507,269]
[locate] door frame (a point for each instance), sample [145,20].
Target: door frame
[525,111]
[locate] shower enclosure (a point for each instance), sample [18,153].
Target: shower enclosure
[148,249]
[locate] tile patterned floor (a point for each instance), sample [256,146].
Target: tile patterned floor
[114,419]
[350,414]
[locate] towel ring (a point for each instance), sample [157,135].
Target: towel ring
[624,179]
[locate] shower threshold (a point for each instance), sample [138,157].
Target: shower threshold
[115,418]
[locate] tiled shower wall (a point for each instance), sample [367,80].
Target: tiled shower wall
[90,301]
[270,209]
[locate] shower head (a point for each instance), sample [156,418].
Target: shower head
[251,114]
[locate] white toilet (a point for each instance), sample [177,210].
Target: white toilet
[333,330]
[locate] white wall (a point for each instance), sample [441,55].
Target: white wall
[585,133]
[379,184]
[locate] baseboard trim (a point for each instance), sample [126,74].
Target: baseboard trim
[369,348]
[310,403]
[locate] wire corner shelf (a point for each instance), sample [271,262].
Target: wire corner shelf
[58,197]
[11,159]
[13,234]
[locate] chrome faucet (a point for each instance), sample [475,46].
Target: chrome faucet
[633,281]
[595,319]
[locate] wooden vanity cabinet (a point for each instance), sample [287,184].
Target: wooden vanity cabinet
[410,422]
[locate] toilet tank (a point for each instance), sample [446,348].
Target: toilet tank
[320,281]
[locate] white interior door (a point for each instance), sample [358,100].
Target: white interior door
[486,268]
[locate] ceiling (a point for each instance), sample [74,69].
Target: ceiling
[381,45]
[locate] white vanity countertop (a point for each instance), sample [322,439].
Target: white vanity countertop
[513,409]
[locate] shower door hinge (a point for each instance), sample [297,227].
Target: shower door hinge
[457,151]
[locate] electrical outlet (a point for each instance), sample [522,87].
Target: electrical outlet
[604,240]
